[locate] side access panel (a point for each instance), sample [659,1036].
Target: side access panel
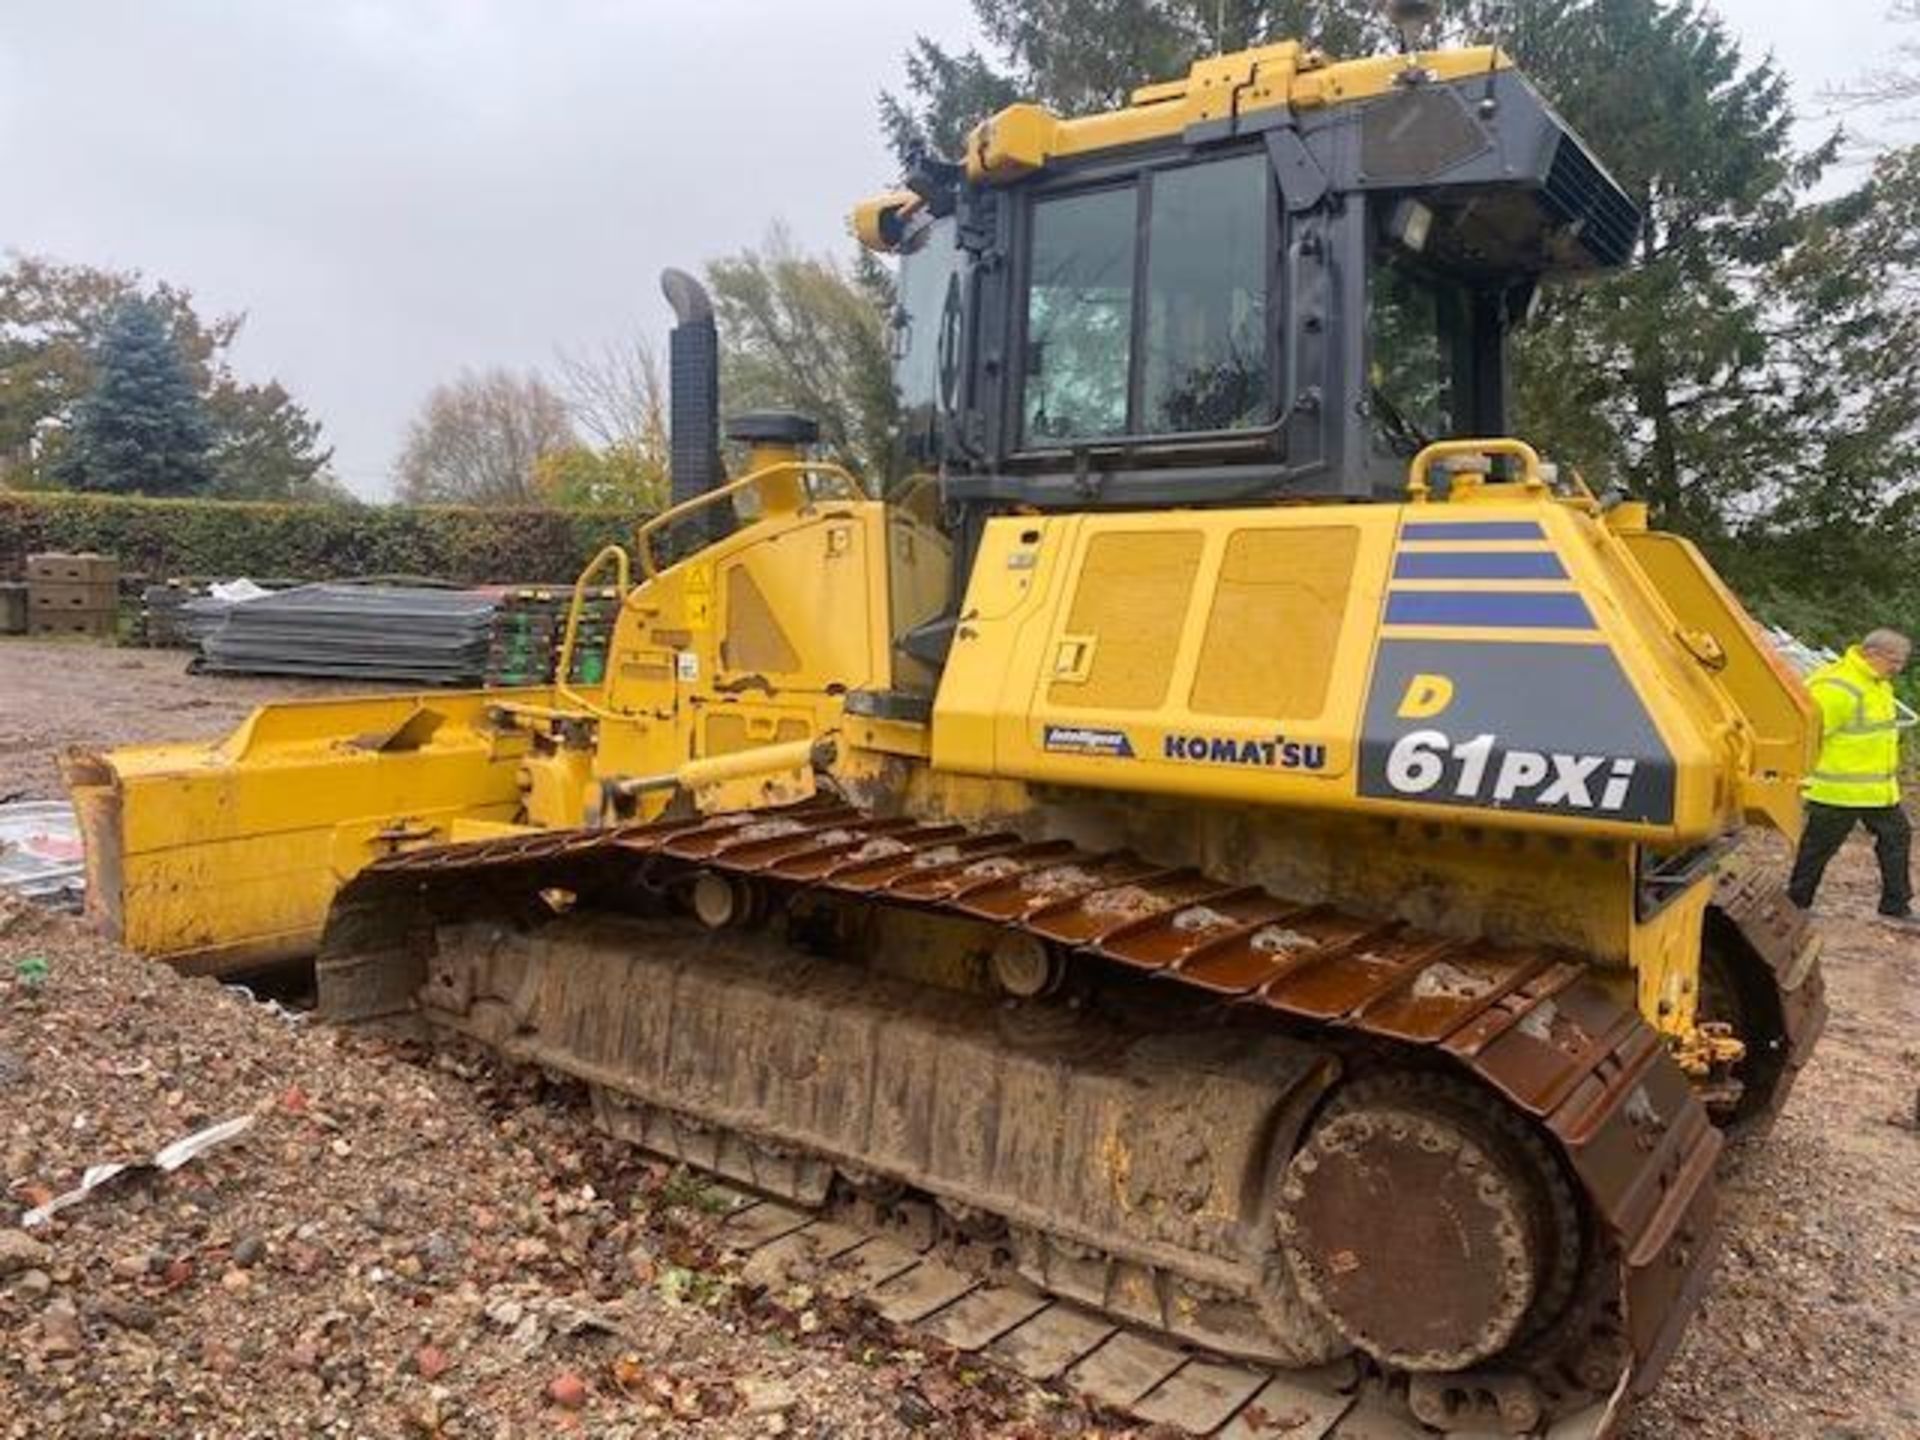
[1455,662]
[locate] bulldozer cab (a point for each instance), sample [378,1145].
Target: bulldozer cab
[1201,368]
[1199,300]
[1277,279]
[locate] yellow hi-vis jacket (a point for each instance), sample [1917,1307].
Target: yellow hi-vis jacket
[1859,765]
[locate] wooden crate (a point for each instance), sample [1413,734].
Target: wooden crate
[84,568]
[73,596]
[91,623]
[13,608]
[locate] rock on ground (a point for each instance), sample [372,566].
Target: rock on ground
[403,1243]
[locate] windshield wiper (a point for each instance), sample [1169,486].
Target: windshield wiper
[1408,438]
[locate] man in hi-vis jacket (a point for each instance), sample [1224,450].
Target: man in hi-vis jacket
[1857,778]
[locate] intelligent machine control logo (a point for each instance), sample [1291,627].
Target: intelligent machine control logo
[1088,740]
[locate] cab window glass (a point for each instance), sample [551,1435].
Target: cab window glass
[1417,328]
[1079,316]
[1205,355]
[926,338]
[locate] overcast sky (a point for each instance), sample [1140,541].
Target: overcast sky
[395,189]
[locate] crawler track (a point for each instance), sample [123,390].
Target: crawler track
[1532,1033]
[898,1271]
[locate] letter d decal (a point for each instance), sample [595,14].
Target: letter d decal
[1427,696]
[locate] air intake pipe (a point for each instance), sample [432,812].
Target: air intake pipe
[693,373]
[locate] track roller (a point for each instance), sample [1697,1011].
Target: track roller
[1025,966]
[723,902]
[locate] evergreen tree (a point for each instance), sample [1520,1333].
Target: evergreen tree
[1844,522]
[53,317]
[1666,380]
[53,322]
[1076,56]
[141,429]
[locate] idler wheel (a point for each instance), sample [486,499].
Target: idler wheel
[1419,1220]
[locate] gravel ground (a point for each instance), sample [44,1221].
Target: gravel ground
[56,693]
[1812,1327]
[401,1244]
[411,1244]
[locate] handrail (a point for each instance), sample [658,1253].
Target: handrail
[785,469]
[1439,450]
[563,676]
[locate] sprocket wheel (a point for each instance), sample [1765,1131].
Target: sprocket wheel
[1426,1224]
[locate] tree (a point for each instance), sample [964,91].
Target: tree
[266,447]
[53,317]
[799,332]
[1664,379]
[1844,523]
[616,478]
[1080,55]
[617,396]
[478,440]
[947,95]
[618,400]
[141,429]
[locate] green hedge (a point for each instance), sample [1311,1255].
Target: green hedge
[165,538]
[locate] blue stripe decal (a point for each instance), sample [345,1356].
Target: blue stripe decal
[1472,530]
[1478,565]
[1502,610]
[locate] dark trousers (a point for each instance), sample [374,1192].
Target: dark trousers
[1828,827]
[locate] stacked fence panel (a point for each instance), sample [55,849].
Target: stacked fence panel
[359,632]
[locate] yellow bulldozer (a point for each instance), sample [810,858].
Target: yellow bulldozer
[1227,831]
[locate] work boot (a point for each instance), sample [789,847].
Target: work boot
[1904,920]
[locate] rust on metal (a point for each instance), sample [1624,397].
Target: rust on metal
[1396,1197]
[1752,901]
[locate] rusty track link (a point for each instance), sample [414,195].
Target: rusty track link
[897,1271]
[1791,1001]
[1535,1027]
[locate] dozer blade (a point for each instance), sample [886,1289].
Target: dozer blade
[225,856]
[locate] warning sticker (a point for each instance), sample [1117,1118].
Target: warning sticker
[699,597]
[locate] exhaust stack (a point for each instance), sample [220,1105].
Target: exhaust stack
[693,374]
